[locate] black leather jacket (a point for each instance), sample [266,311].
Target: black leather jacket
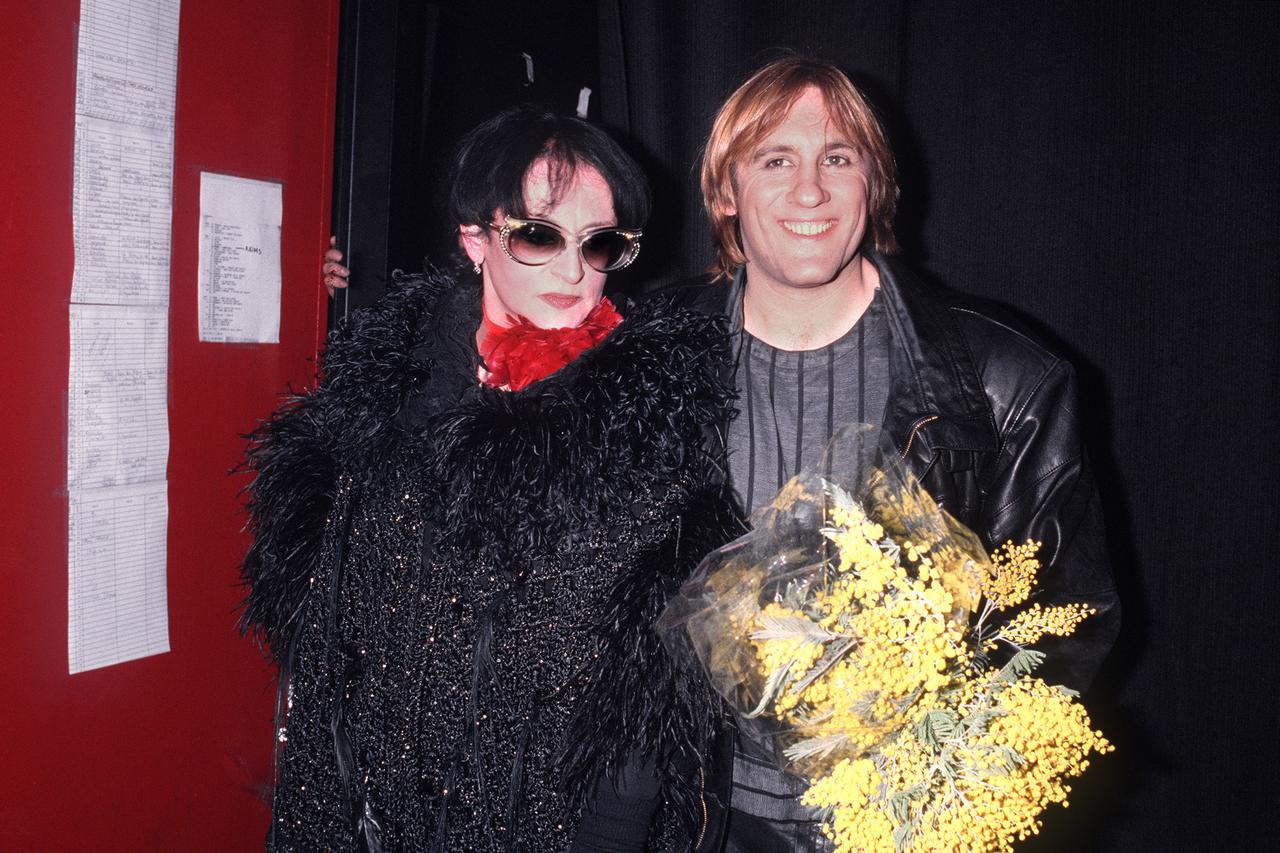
[989,420]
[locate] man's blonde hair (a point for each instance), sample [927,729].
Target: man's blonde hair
[755,110]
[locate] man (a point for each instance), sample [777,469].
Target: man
[799,185]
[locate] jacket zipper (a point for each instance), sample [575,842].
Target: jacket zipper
[702,787]
[920,424]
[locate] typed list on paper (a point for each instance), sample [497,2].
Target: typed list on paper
[117,413]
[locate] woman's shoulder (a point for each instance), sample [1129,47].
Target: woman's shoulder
[373,359]
[667,318]
[702,294]
[380,344]
[665,350]
[394,323]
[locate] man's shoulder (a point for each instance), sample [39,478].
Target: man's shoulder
[997,336]
[988,349]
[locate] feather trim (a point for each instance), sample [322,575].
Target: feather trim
[294,456]
[582,442]
[518,470]
[640,703]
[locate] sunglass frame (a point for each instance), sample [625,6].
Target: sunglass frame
[504,234]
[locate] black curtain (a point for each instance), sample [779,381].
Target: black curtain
[413,77]
[666,68]
[1108,171]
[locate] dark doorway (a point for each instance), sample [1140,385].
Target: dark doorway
[413,77]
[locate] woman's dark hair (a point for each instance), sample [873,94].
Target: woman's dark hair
[490,163]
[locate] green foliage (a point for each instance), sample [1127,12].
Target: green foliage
[902,836]
[796,595]
[842,498]
[819,747]
[1022,663]
[900,803]
[830,658]
[976,723]
[790,628]
[773,687]
[935,727]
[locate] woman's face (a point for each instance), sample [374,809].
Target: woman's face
[560,293]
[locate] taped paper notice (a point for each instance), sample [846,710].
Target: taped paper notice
[117,386]
[239,277]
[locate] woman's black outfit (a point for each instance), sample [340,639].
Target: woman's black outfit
[460,582]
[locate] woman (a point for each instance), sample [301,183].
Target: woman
[464,534]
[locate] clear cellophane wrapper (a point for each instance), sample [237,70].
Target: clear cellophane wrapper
[872,673]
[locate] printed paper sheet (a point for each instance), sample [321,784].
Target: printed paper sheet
[239,278]
[117,413]
[116,560]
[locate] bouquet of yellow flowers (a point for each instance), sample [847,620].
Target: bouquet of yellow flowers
[853,630]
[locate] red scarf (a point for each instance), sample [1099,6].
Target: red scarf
[520,354]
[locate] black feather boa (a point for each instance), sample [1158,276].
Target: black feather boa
[615,439]
[294,455]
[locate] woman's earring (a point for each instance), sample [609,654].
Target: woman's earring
[476,266]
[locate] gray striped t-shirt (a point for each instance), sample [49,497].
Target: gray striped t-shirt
[790,403]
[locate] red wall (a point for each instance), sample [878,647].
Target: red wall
[170,752]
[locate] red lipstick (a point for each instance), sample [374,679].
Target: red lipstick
[560,301]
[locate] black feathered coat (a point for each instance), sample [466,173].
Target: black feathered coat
[460,582]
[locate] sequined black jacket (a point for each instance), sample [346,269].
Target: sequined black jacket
[989,420]
[460,583]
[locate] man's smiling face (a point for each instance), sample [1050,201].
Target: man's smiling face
[801,201]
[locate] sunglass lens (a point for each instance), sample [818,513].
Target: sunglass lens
[607,250]
[533,243]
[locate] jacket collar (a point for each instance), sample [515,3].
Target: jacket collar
[936,397]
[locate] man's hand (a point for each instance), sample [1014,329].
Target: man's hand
[335,274]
